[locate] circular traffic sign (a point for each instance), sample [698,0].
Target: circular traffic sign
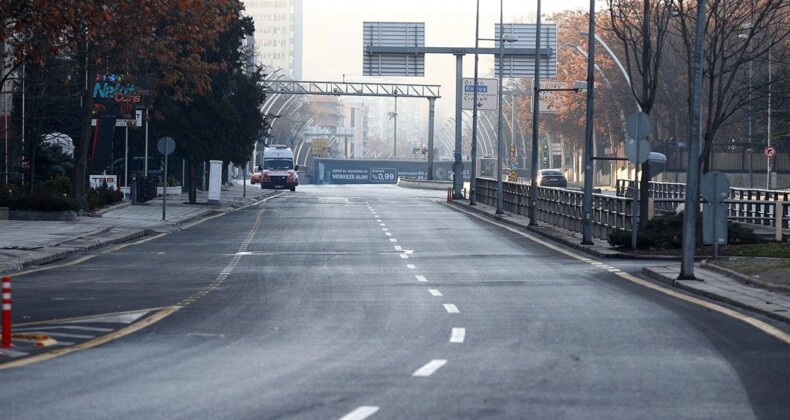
[513,159]
[637,156]
[770,151]
[715,187]
[166,145]
[638,125]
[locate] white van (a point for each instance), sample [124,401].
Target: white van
[278,169]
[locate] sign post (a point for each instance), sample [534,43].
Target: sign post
[165,145]
[715,188]
[638,151]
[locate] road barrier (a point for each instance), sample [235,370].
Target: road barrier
[768,210]
[6,340]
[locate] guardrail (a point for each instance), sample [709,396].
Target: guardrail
[562,207]
[676,190]
[747,205]
[424,183]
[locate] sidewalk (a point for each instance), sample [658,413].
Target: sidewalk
[712,284]
[32,243]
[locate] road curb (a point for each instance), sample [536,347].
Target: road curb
[57,256]
[588,249]
[749,281]
[661,274]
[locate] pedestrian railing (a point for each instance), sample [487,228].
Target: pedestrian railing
[562,207]
[747,205]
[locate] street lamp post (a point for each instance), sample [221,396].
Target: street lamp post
[751,116]
[533,187]
[770,72]
[588,133]
[473,174]
[499,192]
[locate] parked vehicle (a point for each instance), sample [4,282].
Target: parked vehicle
[255,177]
[552,178]
[278,169]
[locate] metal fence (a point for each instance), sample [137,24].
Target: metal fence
[560,207]
[746,205]
[563,208]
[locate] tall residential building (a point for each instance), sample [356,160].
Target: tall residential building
[356,120]
[278,34]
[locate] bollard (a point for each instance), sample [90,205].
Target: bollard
[449,194]
[6,341]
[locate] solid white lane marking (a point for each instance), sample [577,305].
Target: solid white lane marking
[410,266]
[430,368]
[398,248]
[421,278]
[121,318]
[404,256]
[57,334]
[458,335]
[64,327]
[361,413]
[12,353]
[435,292]
[451,309]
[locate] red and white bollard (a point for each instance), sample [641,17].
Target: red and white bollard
[6,341]
[449,195]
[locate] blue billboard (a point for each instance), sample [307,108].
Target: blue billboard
[347,171]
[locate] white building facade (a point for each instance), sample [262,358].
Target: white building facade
[278,34]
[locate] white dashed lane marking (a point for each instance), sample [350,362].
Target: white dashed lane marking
[430,368]
[435,292]
[361,413]
[451,309]
[421,278]
[458,335]
[410,266]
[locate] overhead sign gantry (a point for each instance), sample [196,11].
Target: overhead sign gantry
[398,49]
[402,90]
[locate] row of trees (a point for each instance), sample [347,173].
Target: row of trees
[192,51]
[656,59]
[745,73]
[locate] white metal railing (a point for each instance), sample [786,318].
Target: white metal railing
[563,208]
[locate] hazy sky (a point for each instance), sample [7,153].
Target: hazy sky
[333,35]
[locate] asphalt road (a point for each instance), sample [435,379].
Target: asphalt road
[383,302]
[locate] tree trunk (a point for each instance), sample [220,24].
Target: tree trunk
[83,142]
[192,186]
[644,195]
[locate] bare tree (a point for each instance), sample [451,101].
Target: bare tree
[738,33]
[641,27]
